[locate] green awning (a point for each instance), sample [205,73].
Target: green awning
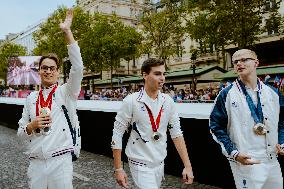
[171,74]
[264,70]
[189,72]
[123,79]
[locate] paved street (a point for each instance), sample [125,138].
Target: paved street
[91,171]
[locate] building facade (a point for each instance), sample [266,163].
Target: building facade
[129,12]
[25,38]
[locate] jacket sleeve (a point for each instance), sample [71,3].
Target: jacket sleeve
[218,125]
[122,122]
[174,122]
[73,84]
[24,121]
[281,120]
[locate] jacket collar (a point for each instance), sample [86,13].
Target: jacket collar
[259,85]
[142,97]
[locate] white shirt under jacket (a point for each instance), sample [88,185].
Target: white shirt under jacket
[59,140]
[134,110]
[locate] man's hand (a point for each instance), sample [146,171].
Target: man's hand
[121,178]
[246,160]
[279,149]
[41,121]
[66,25]
[187,175]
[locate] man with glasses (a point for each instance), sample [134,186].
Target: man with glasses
[247,121]
[43,123]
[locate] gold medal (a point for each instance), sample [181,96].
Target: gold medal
[45,111]
[156,136]
[259,129]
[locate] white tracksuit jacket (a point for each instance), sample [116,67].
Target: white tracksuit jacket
[59,140]
[134,110]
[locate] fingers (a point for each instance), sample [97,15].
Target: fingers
[43,121]
[279,149]
[188,180]
[184,176]
[69,13]
[246,157]
[187,177]
[121,179]
[65,26]
[252,161]
[126,180]
[122,182]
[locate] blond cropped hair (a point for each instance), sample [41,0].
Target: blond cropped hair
[244,51]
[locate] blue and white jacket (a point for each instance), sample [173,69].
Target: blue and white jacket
[231,122]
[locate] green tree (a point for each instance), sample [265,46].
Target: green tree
[273,21]
[49,37]
[206,24]
[281,27]
[163,30]
[132,40]
[8,50]
[111,41]
[218,23]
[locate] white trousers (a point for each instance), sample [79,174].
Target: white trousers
[147,177]
[266,175]
[53,173]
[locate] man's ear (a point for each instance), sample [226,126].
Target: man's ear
[256,63]
[144,75]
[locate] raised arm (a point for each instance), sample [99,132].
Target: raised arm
[66,27]
[73,84]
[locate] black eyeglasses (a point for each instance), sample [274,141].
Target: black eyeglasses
[244,60]
[51,68]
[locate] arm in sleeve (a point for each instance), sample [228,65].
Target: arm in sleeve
[174,122]
[122,121]
[281,120]
[281,116]
[218,125]
[73,84]
[24,121]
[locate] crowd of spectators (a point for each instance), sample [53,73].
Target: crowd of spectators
[180,94]
[184,94]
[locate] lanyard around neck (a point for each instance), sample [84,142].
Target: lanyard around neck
[256,111]
[44,103]
[155,125]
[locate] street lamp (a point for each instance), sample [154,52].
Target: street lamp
[65,68]
[193,66]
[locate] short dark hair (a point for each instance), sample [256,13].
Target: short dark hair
[149,63]
[51,56]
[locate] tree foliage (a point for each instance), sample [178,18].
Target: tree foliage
[217,23]
[281,27]
[162,29]
[273,21]
[8,50]
[111,41]
[104,40]
[49,37]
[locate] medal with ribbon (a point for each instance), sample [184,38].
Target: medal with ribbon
[155,125]
[256,111]
[43,107]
